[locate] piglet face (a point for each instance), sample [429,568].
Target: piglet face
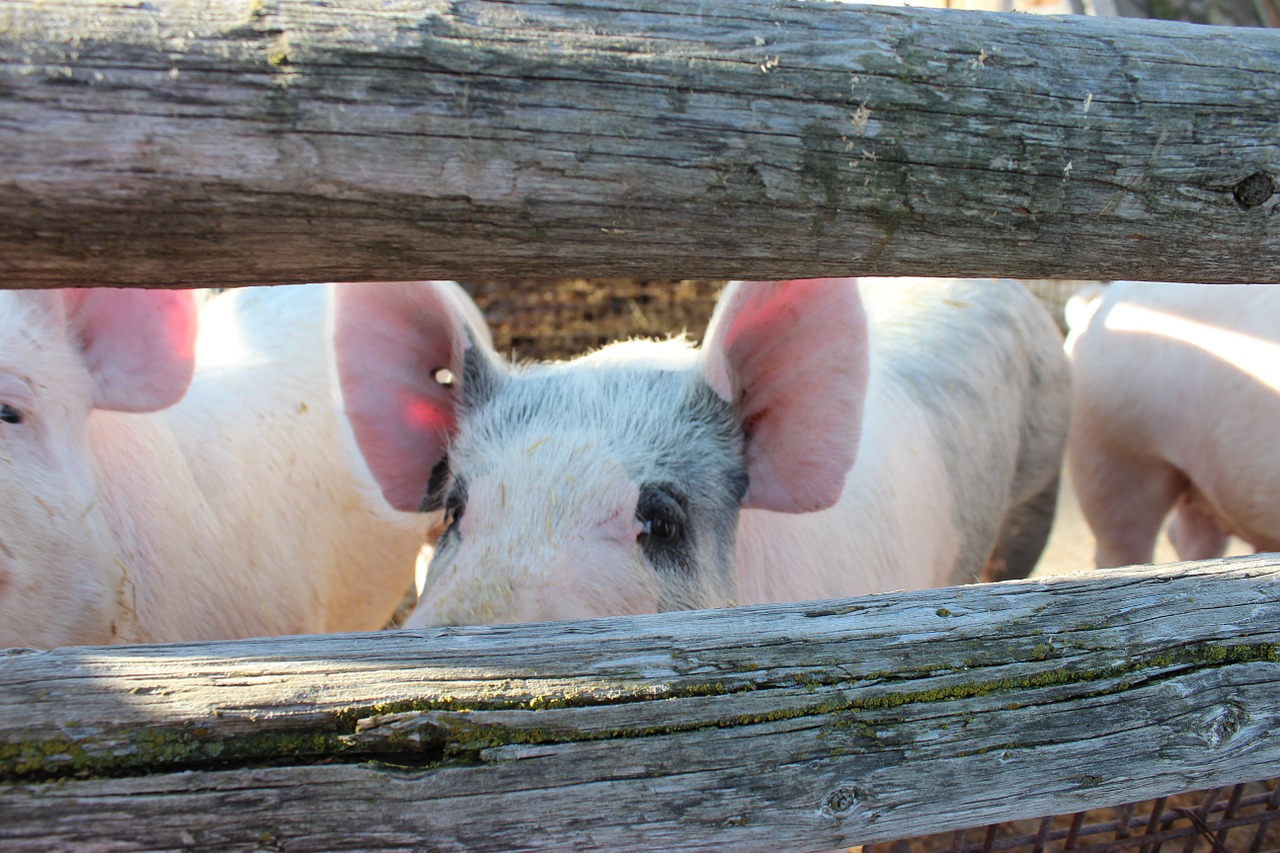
[532,538]
[610,484]
[604,487]
[49,593]
[62,354]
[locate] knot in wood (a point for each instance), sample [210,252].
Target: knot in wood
[842,800]
[1223,723]
[1254,190]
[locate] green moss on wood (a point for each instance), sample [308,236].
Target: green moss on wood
[154,747]
[455,737]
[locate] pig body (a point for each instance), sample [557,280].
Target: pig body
[957,471]
[242,509]
[653,475]
[1177,394]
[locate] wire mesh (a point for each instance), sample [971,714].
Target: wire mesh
[1238,819]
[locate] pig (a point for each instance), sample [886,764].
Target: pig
[829,438]
[163,486]
[1176,396]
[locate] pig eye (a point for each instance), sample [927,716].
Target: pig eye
[11,415]
[454,505]
[660,528]
[661,512]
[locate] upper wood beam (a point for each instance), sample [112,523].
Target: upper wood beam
[220,142]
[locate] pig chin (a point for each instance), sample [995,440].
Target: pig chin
[57,567]
[30,615]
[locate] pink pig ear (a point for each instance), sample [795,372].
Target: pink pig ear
[139,345]
[391,339]
[792,358]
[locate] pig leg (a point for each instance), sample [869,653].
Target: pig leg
[1125,500]
[1195,534]
[1023,536]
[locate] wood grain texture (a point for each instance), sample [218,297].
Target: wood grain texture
[220,142]
[796,727]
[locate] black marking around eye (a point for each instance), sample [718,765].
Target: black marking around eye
[433,497]
[454,505]
[666,536]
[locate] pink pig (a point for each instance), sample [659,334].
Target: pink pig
[829,438]
[1177,394]
[141,504]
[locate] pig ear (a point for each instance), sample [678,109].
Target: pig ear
[792,358]
[138,345]
[391,340]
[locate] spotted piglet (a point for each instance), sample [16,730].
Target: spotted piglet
[829,438]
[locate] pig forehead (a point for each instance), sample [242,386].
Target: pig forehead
[562,483]
[648,422]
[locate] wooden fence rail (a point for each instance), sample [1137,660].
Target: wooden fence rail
[218,142]
[792,727]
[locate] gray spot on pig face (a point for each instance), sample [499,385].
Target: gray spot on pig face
[678,442]
[690,501]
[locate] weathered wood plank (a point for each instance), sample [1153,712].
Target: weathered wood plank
[798,727]
[245,141]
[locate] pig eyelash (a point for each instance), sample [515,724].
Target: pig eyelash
[11,415]
[455,504]
[662,511]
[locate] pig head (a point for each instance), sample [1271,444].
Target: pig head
[613,483]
